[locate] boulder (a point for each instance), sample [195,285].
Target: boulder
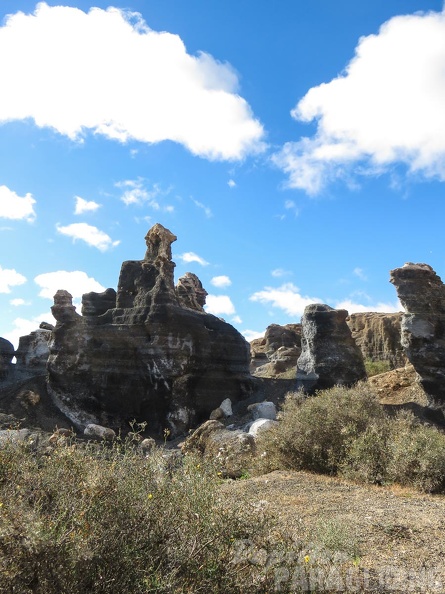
[263,410]
[149,358]
[329,354]
[422,294]
[232,451]
[261,425]
[99,432]
[277,352]
[379,336]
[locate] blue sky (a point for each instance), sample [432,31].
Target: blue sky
[297,150]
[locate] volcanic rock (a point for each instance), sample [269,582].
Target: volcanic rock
[96,304]
[422,294]
[6,356]
[277,352]
[149,358]
[33,351]
[378,335]
[190,292]
[329,354]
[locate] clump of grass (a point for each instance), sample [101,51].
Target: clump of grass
[106,519]
[346,431]
[376,367]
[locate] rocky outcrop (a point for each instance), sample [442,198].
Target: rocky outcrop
[148,358]
[96,304]
[277,352]
[329,354]
[6,356]
[378,335]
[422,294]
[33,351]
[190,292]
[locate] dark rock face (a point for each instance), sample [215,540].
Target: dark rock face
[96,304]
[190,292]
[6,355]
[378,335]
[148,358]
[422,294]
[329,354]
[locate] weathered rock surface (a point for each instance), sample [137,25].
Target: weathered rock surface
[329,354]
[422,294]
[96,304]
[190,292]
[33,351]
[379,336]
[148,358]
[232,451]
[6,356]
[277,352]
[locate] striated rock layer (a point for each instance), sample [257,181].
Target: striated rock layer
[146,357]
[329,354]
[378,335]
[422,294]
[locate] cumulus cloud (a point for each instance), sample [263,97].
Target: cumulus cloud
[89,234]
[22,327]
[16,207]
[386,108]
[219,305]
[236,320]
[353,307]
[10,278]
[252,334]
[83,206]
[76,282]
[287,297]
[189,257]
[17,302]
[112,75]
[221,281]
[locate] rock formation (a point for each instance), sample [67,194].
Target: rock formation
[422,294]
[6,356]
[190,292]
[33,351]
[378,335]
[329,354]
[277,352]
[147,358]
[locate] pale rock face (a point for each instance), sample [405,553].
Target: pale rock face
[33,351]
[422,294]
[263,410]
[379,336]
[99,432]
[261,425]
[329,354]
[147,358]
[190,292]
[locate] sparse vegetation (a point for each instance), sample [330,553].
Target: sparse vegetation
[376,367]
[346,431]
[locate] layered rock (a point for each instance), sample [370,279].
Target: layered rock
[148,358]
[277,352]
[422,294]
[6,356]
[33,350]
[329,354]
[378,335]
[190,292]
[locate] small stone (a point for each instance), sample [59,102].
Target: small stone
[217,414]
[264,410]
[226,407]
[99,432]
[147,445]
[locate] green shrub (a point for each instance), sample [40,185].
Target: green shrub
[315,432]
[376,367]
[101,520]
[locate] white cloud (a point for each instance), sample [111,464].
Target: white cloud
[76,282]
[231,183]
[89,234]
[250,335]
[16,207]
[112,75]
[279,272]
[353,307]
[221,281]
[208,212]
[219,305]
[18,302]
[23,327]
[188,257]
[83,206]
[360,273]
[10,278]
[287,297]
[386,108]
[237,320]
